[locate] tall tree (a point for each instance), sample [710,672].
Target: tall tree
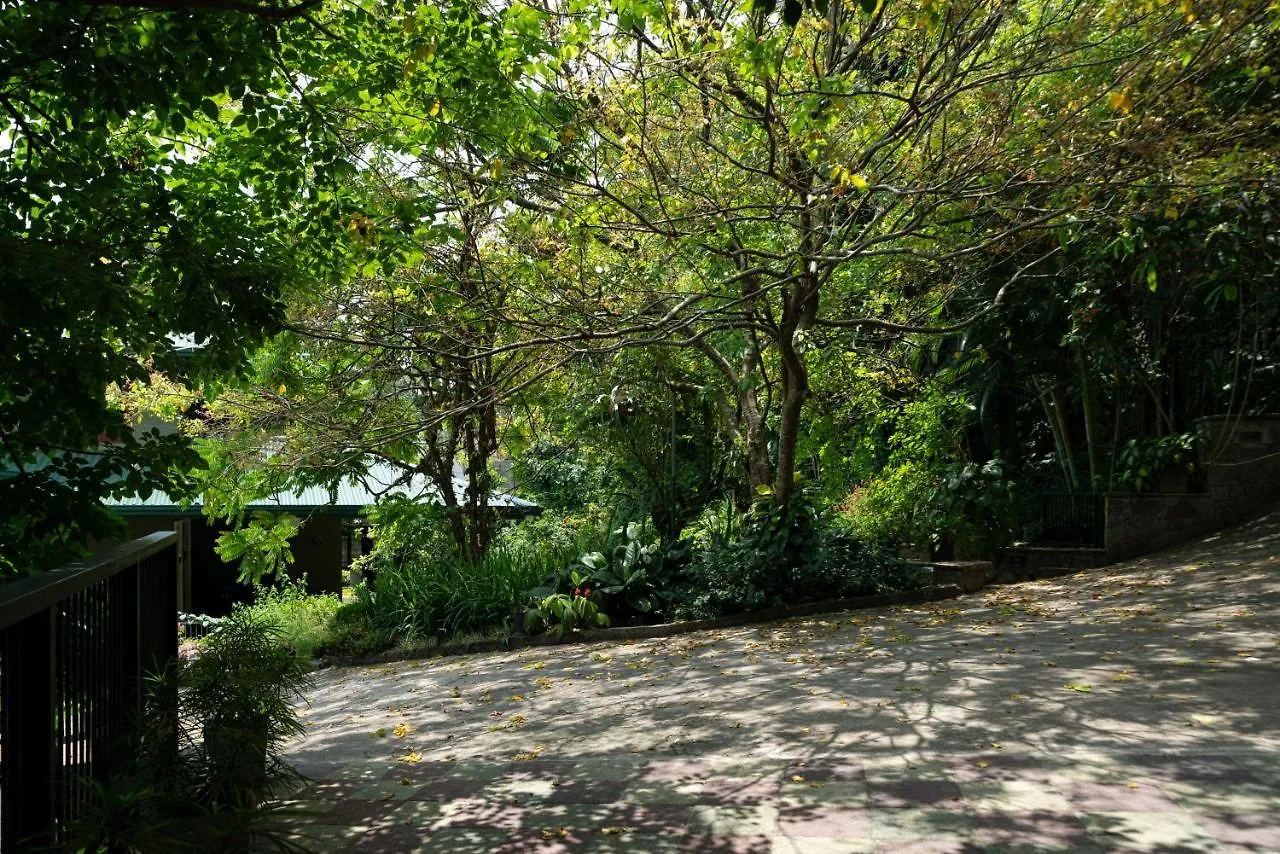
[128,239]
[764,172]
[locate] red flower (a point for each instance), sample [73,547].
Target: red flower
[586,591]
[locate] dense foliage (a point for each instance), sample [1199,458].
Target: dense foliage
[747,296]
[138,236]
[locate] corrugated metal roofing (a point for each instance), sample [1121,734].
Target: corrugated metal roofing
[350,495]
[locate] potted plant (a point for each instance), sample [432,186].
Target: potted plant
[240,691]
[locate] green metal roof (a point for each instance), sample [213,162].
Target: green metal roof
[350,497]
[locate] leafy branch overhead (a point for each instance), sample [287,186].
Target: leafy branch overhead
[912,254]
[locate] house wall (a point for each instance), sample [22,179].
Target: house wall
[317,554]
[214,588]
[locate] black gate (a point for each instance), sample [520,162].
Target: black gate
[74,646]
[1073,520]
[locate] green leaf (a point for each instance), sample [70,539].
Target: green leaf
[791,12]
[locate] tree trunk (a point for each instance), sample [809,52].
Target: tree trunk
[800,309]
[481,445]
[1061,438]
[759,470]
[795,389]
[1089,402]
[747,423]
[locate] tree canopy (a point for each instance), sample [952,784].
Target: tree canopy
[911,253]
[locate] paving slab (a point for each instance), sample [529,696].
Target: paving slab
[1130,708]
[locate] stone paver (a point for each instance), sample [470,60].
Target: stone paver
[1132,708]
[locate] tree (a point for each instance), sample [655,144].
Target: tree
[129,241]
[398,358]
[774,181]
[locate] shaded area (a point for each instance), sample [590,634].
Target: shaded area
[1136,706]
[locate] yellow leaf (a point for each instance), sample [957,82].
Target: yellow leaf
[528,755]
[435,109]
[401,730]
[1120,102]
[860,183]
[281,388]
[796,778]
[1078,687]
[412,757]
[496,169]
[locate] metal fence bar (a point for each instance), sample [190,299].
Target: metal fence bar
[1073,519]
[75,644]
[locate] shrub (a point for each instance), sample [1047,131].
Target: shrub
[240,692]
[453,595]
[437,597]
[303,620]
[353,629]
[719,522]
[422,590]
[726,578]
[632,576]
[963,506]
[848,566]
[564,614]
[757,570]
[1140,462]
[551,534]
[785,555]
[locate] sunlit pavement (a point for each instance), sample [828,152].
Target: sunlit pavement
[1135,707]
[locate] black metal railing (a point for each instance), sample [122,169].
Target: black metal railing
[194,626]
[1073,520]
[75,644]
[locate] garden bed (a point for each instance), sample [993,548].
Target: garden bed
[935,593]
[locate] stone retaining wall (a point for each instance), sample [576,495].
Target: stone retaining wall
[1242,476]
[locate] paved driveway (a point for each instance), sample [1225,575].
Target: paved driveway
[1134,707]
